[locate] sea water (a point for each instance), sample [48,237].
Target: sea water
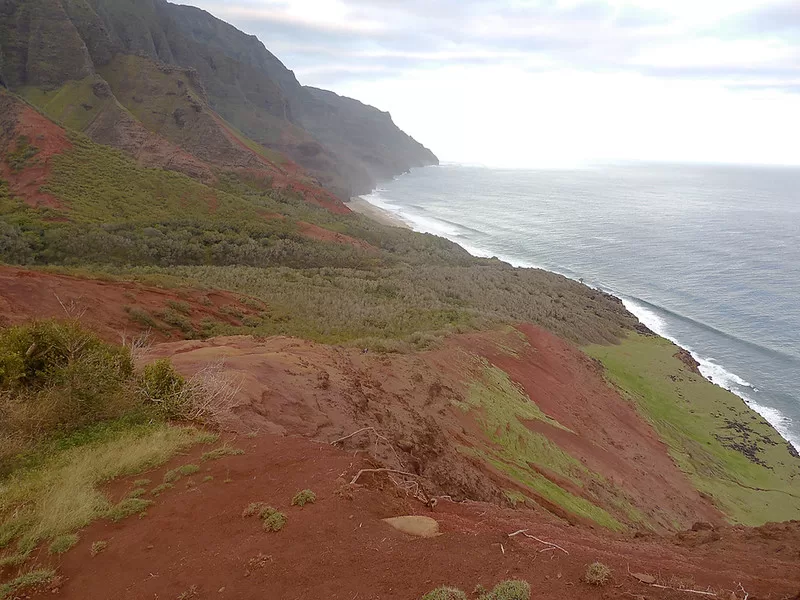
[707,256]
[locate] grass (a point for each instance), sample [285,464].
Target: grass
[98,547]
[221,452]
[63,543]
[445,592]
[175,474]
[24,152]
[254,508]
[501,407]
[728,451]
[597,574]
[160,489]
[127,507]
[273,520]
[304,497]
[511,589]
[28,580]
[64,493]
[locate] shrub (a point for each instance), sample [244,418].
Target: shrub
[179,320]
[445,593]
[511,589]
[180,306]
[597,574]
[273,520]
[161,385]
[254,508]
[304,497]
[57,377]
[63,543]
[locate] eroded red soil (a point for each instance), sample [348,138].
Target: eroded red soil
[109,307]
[194,541]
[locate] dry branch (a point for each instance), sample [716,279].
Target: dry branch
[377,435]
[533,537]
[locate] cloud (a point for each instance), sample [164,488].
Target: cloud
[734,51]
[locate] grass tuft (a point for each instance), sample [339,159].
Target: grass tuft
[128,507]
[254,508]
[445,593]
[304,497]
[63,543]
[26,581]
[511,589]
[221,452]
[273,519]
[160,489]
[98,547]
[597,574]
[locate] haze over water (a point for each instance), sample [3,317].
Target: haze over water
[708,256]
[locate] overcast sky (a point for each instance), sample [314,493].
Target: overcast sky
[547,83]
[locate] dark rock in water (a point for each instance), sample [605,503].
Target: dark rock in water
[686,358]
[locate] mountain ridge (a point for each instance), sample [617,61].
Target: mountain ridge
[344,145]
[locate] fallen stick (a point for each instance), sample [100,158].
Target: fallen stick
[362,471]
[666,587]
[533,537]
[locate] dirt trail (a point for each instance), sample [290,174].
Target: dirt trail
[194,538]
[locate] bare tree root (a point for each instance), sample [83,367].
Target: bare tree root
[550,545]
[362,471]
[377,435]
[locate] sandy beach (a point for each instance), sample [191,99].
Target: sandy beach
[359,205]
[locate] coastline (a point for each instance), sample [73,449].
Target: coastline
[384,217]
[712,372]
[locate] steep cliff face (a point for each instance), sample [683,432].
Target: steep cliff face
[346,146]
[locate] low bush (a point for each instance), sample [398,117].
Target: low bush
[445,593]
[597,574]
[56,377]
[273,520]
[127,507]
[162,386]
[304,497]
[511,589]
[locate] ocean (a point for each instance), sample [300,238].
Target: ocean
[707,256]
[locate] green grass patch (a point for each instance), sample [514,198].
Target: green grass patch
[62,543]
[501,407]
[161,488]
[728,451]
[221,452]
[26,581]
[445,592]
[63,493]
[127,507]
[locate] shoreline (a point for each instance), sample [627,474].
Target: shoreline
[363,206]
[384,217]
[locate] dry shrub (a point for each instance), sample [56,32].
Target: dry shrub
[597,574]
[202,398]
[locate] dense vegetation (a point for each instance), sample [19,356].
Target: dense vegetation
[389,284]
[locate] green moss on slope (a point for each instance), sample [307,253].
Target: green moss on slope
[728,451]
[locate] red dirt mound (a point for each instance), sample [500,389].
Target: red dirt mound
[194,543]
[114,309]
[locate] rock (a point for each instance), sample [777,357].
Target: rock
[702,526]
[644,578]
[414,525]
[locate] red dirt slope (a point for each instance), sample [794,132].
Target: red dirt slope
[291,386]
[101,305]
[195,542]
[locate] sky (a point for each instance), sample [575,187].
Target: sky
[526,83]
